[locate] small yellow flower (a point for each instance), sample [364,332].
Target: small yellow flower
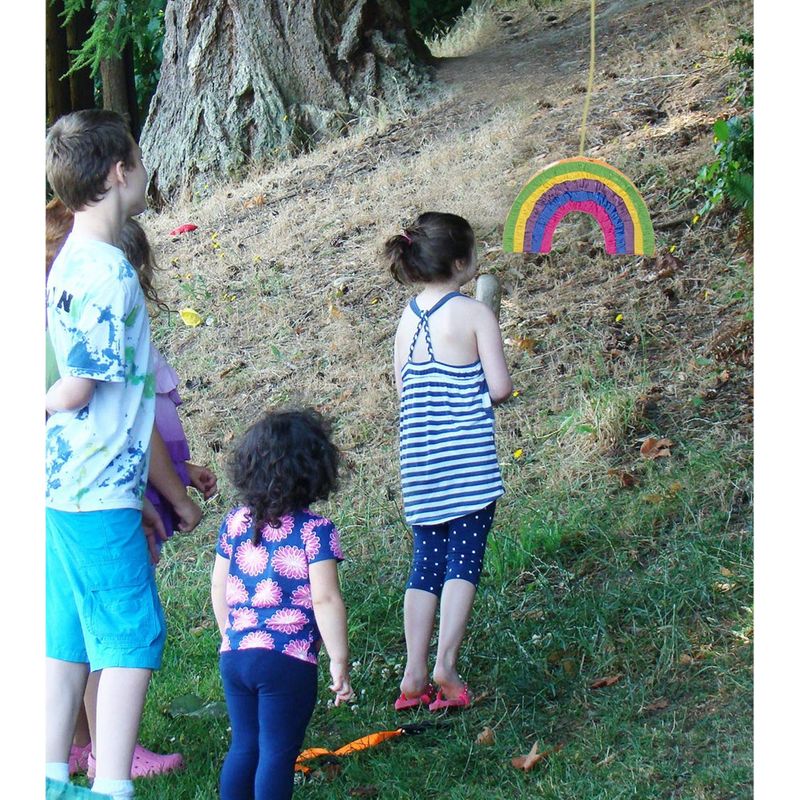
[515,393]
[618,318]
[518,453]
[695,218]
[256,259]
[673,248]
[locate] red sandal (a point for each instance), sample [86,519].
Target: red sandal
[402,702]
[464,700]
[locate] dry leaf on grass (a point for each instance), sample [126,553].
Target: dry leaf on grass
[364,791]
[685,659]
[486,736]
[609,680]
[530,760]
[655,448]
[657,705]
[626,480]
[258,200]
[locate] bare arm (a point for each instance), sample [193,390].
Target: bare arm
[331,619]
[169,484]
[490,352]
[219,579]
[69,394]
[398,367]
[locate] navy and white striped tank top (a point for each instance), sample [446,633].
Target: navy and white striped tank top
[448,460]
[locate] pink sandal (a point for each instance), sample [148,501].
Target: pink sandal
[463,700]
[402,702]
[146,763]
[79,758]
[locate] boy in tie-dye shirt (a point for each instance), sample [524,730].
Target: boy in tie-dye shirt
[103,612]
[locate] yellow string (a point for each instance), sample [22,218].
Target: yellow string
[591,77]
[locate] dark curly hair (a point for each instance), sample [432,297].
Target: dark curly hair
[283,463]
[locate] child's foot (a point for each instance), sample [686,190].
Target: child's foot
[415,690]
[79,758]
[146,763]
[450,685]
[422,698]
[464,700]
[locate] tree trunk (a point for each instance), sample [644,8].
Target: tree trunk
[119,87]
[81,85]
[56,65]
[243,81]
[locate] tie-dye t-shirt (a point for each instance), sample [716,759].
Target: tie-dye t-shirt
[268,593]
[97,456]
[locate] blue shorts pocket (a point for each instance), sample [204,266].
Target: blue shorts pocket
[125,614]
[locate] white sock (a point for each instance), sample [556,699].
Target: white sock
[57,771]
[118,790]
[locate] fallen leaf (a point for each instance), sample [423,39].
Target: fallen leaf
[655,448]
[190,317]
[187,228]
[524,343]
[364,791]
[529,761]
[625,478]
[334,311]
[610,680]
[725,571]
[258,200]
[657,705]
[675,487]
[486,736]
[685,659]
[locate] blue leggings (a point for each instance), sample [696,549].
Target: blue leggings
[270,698]
[452,549]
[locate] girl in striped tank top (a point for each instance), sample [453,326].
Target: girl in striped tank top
[450,371]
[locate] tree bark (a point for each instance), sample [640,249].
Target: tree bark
[81,84]
[56,65]
[245,81]
[119,87]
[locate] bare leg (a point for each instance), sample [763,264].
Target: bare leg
[120,700]
[90,706]
[419,610]
[65,682]
[457,598]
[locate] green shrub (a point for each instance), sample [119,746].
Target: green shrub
[730,176]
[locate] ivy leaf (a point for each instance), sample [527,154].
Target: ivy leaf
[190,705]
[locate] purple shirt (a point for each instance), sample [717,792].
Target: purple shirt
[268,592]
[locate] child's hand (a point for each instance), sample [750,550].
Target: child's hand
[203,479]
[340,686]
[189,514]
[153,529]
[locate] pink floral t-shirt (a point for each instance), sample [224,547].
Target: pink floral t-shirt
[268,593]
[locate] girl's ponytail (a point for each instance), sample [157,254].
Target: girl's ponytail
[428,250]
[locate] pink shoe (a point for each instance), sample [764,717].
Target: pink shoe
[464,700]
[146,763]
[79,758]
[428,693]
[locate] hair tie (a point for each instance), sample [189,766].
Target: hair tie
[406,237]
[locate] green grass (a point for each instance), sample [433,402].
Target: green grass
[651,582]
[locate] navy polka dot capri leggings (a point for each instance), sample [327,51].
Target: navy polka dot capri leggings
[452,549]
